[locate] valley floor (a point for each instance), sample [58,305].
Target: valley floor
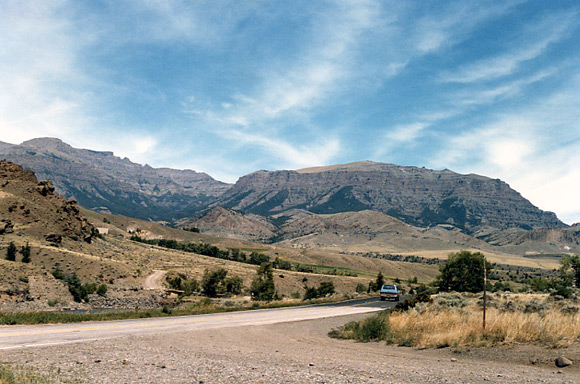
[297,352]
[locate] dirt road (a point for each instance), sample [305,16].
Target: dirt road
[154,280]
[282,352]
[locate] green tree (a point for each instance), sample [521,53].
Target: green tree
[212,282]
[262,287]
[102,290]
[380,281]
[570,270]
[234,285]
[25,253]
[310,293]
[11,252]
[360,288]
[326,288]
[463,272]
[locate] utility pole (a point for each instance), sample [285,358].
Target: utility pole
[484,291]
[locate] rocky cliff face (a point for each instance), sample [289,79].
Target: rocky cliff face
[417,196]
[29,207]
[104,182]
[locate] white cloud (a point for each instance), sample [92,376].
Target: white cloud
[322,68]
[536,150]
[553,29]
[452,23]
[40,87]
[293,156]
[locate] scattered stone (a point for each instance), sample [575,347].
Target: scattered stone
[6,226]
[453,360]
[562,362]
[53,238]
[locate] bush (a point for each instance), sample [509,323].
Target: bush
[325,288]
[212,283]
[234,285]
[373,328]
[262,287]
[451,300]
[310,293]
[422,297]
[374,286]
[102,290]
[360,288]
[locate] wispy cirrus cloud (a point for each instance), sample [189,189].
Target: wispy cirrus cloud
[453,23]
[549,31]
[535,148]
[316,76]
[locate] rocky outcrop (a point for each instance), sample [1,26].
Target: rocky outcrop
[417,196]
[31,207]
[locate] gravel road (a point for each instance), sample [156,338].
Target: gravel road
[154,280]
[295,352]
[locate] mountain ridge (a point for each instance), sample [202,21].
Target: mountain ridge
[103,182]
[418,196]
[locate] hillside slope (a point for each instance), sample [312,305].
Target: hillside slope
[63,238]
[104,182]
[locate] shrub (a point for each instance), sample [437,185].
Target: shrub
[360,288]
[212,283]
[102,290]
[11,252]
[234,285]
[295,295]
[403,306]
[262,287]
[451,300]
[25,253]
[569,309]
[325,288]
[310,293]
[373,328]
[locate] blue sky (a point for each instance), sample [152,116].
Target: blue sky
[230,87]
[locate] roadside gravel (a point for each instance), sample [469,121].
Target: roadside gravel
[298,352]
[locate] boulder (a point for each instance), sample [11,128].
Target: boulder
[562,362]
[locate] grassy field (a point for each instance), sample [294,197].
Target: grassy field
[10,374]
[454,320]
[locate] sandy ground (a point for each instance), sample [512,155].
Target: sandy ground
[297,352]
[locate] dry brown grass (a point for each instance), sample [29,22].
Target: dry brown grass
[511,320]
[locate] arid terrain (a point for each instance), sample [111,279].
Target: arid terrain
[295,352]
[71,245]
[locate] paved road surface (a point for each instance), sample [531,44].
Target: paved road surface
[27,336]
